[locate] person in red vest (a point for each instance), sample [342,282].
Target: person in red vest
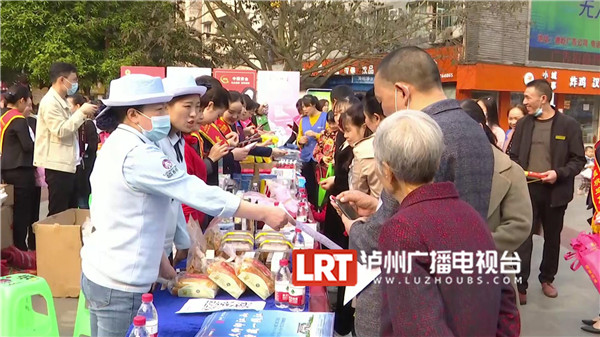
[16,146]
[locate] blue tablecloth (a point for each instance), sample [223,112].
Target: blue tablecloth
[172,324]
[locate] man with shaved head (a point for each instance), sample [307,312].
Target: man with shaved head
[409,78]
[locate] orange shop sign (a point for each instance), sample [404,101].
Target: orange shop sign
[496,77]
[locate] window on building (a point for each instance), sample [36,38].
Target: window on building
[206,27]
[443,16]
[585,110]
[516,98]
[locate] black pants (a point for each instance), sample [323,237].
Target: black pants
[62,191]
[27,205]
[84,189]
[343,322]
[551,219]
[312,188]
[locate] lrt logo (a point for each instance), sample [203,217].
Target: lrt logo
[325,267]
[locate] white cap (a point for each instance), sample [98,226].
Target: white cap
[180,85]
[135,89]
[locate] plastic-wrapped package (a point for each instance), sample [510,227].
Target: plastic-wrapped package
[237,245]
[257,277]
[196,260]
[267,235]
[244,235]
[193,285]
[224,275]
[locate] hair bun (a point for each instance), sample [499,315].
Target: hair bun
[107,121]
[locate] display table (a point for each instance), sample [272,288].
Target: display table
[172,324]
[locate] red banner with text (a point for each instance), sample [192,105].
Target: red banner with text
[241,80]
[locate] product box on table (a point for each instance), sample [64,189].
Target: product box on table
[58,241]
[6,226]
[10,190]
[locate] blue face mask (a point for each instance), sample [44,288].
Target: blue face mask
[74,86]
[537,113]
[161,125]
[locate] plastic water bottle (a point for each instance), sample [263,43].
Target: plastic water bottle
[139,329]
[296,298]
[282,283]
[298,239]
[302,215]
[148,311]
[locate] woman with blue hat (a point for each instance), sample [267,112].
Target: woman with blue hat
[134,184]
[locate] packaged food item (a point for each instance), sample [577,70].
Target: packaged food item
[196,259]
[213,236]
[276,245]
[194,285]
[257,277]
[262,236]
[223,274]
[237,245]
[238,235]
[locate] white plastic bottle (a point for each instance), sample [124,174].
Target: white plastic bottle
[282,283]
[296,298]
[298,241]
[139,329]
[148,311]
[302,215]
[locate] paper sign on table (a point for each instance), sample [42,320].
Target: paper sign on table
[197,305]
[365,277]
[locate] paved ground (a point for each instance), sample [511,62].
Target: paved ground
[542,316]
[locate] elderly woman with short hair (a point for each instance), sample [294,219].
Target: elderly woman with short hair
[431,218]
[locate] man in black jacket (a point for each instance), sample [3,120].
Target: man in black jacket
[550,143]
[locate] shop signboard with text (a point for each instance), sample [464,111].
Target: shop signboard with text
[565,32]
[241,80]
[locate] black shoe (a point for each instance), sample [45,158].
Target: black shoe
[589,322]
[590,329]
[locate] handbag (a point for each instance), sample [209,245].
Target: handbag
[586,252]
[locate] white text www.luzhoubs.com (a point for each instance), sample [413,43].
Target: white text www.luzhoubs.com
[448,280]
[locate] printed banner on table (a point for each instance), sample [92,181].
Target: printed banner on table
[241,80]
[152,71]
[279,89]
[193,71]
[267,323]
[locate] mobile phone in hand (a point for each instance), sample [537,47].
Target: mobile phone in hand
[346,209]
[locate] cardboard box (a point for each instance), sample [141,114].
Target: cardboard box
[6,226]
[10,190]
[58,243]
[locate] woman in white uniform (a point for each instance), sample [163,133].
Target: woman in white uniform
[134,184]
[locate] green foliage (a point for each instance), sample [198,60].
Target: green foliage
[98,37]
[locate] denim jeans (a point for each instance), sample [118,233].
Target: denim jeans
[111,311]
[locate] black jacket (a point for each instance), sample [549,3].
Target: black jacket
[566,153]
[17,146]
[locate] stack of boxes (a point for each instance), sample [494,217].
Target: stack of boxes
[6,217]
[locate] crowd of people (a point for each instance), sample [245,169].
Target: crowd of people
[424,173]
